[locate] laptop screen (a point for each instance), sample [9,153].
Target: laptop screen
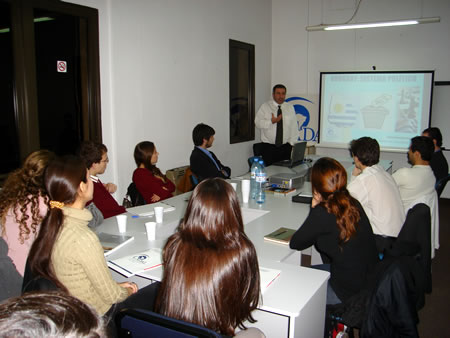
[298,152]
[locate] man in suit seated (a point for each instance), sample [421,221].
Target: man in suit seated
[418,180]
[377,192]
[204,164]
[438,162]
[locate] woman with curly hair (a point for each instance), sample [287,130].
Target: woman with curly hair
[23,205]
[339,229]
[151,183]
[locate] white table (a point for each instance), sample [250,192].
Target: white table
[293,306]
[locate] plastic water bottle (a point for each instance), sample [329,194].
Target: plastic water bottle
[260,183]
[253,169]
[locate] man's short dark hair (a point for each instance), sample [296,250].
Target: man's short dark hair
[435,134]
[424,145]
[202,132]
[278,86]
[366,149]
[91,152]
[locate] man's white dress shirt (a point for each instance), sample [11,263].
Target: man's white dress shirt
[291,122]
[414,183]
[378,193]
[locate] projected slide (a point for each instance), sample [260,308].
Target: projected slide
[390,107]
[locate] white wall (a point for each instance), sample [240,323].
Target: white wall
[298,57]
[164,63]
[164,68]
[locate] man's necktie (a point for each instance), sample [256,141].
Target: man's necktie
[279,136]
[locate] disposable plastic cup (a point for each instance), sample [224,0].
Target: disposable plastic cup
[245,189]
[150,227]
[159,212]
[122,223]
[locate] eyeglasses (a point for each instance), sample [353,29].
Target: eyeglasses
[106,160]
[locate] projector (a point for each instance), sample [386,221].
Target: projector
[287,181]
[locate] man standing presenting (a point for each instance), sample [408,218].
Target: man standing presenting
[419,180]
[204,164]
[438,162]
[95,156]
[279,127]
[377,192]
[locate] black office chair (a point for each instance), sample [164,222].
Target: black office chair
[414,240]
[385,307]
[440,185]
[133,197]
[32,282]
[138,323]
[391,310]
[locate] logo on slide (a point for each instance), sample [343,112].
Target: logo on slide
[300,105]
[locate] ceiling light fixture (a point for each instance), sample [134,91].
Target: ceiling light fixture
[372,24]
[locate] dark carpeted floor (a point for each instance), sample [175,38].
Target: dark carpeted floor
[435,316]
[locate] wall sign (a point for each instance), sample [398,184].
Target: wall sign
[61,66]
[306,105]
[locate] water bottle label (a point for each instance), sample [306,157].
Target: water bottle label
[260,178]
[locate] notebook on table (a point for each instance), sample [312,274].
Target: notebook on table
[297,156]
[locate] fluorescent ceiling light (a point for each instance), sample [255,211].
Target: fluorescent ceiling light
[372,24]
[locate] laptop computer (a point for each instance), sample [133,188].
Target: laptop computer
[297,156]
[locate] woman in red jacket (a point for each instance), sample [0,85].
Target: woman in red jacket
[151,183]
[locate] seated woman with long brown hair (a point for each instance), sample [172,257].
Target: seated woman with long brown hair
[151,183]
[211,274]
[339,229]
[69,254]
[23,205]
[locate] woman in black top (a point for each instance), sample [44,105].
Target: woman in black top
[339,229]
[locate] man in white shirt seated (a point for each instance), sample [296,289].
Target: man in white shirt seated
[418,180]
[377,192]
[279,127]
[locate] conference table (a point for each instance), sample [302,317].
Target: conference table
[294,304]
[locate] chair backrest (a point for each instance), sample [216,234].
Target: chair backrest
[135,196]
[32,282]
[431,199]
[10,280]
[138,323]
[391,311]
[440,185]
[416,231]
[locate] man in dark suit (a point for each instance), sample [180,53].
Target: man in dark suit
[204,164]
